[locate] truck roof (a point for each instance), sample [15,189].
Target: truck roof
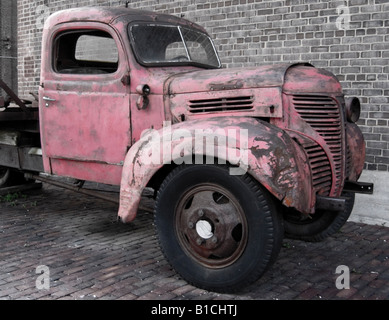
[109,15]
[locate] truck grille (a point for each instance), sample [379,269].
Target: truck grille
[323,115]
[320,166]
[221,105]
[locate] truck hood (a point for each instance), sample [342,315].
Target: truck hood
[228,79]
[252,92]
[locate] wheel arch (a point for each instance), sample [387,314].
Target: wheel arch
[273,159]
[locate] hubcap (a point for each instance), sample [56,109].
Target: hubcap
[204,229]
[211,226]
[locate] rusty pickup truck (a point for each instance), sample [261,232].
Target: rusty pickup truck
[238,158]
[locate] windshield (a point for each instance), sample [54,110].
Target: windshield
[172,45]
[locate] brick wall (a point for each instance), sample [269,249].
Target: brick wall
[349,38]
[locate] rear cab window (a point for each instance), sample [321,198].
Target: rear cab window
[85,52]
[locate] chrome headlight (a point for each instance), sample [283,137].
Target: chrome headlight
[353,109]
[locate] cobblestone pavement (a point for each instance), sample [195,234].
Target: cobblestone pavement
[91,256]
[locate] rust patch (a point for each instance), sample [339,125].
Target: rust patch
[229,85]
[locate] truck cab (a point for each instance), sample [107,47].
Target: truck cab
[238,157]
[93,62]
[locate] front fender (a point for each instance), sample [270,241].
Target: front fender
[357,151]
[265,152]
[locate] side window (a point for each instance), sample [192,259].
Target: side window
[85,52]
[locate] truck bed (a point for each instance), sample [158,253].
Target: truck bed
[20,146]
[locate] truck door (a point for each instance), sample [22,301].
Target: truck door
[85,103]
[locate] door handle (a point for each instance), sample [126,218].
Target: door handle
[47,99]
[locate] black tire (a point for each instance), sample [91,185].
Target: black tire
[4,176]
[9,177]
[319,226]
[242,233]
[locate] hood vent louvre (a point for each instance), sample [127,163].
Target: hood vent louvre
[221,105]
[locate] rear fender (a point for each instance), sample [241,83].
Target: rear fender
[250,146]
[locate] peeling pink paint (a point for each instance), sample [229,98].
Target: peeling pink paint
[282,177]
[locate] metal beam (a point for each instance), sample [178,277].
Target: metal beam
[20,188]
[13,96]
[92,193]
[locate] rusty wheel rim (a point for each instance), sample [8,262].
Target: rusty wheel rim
[211,226]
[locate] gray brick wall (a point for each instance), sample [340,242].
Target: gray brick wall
[349,38]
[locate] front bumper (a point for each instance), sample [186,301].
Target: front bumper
[339,204]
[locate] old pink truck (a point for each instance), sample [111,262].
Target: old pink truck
[238,158]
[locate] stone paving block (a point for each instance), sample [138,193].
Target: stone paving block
[93,257]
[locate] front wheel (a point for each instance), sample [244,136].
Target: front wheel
[219,232]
